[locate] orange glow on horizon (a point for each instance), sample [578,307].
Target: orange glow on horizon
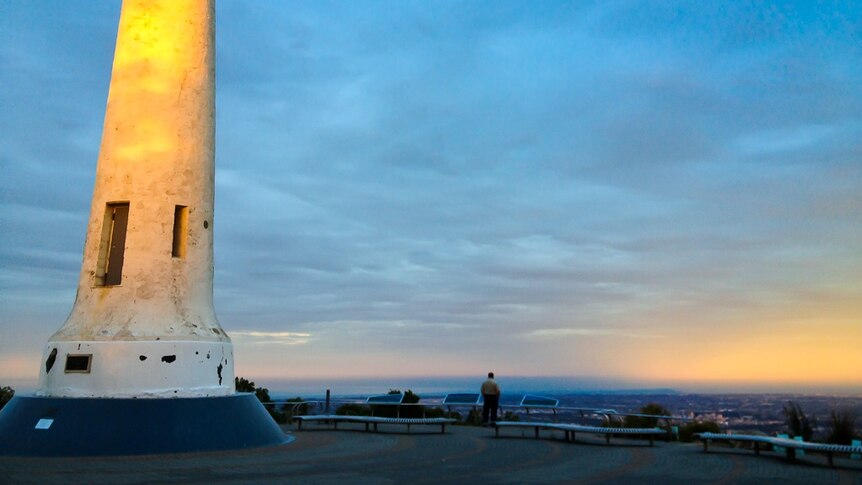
[801,353]
[24,366]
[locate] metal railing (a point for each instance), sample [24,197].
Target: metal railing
[608,416]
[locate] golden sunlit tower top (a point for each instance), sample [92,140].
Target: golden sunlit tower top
[143,321]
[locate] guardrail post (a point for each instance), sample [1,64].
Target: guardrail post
[779,449]
[799,452]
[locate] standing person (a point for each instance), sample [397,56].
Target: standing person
[491,398]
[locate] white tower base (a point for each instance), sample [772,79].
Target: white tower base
[141,369]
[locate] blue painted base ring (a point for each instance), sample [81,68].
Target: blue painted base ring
[49,426]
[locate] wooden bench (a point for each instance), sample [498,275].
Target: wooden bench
[789,446]
[374,421]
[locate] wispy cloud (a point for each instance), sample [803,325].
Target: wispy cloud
[588,332]
[272,338]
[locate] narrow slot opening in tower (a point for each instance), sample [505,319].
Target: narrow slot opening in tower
[181,225]
[112,246]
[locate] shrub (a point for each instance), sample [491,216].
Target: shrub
[277,416]
[390,411]
[612,423]
[510,416]
[642,422]
[841,427]
[411,411]
[6,394]
[797,422]
[409,396]
[262,394]
[435,412]
[454,415]
[687,432]
[352,409]
[244,385]
[474,417]
[291,408]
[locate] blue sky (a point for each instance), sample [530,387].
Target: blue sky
[651,193]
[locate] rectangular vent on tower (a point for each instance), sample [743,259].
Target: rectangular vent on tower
[181,229]
[112,245]
[78,364]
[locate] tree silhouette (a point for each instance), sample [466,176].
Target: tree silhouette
[842,429]
[798,423]
[6,394]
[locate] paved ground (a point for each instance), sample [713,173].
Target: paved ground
[463,454]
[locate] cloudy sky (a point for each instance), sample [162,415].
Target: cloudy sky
[651,193]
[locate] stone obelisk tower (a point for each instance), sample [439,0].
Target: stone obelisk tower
[143,328]
[143,322]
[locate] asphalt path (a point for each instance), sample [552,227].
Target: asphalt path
[462,455]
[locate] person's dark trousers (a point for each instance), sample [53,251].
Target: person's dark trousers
[491,403]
